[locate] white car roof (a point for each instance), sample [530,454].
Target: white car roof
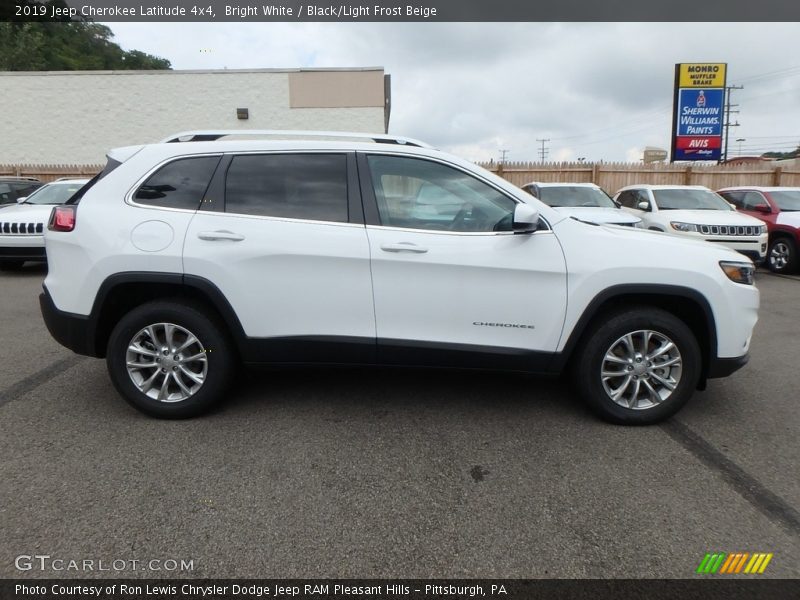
[760,188]
[650,186]
[561,184]
[68,181]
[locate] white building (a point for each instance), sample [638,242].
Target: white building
[74,117]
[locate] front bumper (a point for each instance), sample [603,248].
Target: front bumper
[22,252]
[76,332]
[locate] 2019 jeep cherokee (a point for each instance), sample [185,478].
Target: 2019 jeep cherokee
[184,258]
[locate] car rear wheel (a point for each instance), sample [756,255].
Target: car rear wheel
[782,256]
[638,366]
[169,359]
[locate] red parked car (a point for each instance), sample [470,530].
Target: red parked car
[779,208]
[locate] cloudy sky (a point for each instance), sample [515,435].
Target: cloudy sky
[600,91]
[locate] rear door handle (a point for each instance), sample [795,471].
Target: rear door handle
[403,247]
[212,236]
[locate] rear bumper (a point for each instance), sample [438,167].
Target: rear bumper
[722,367]
[72,331]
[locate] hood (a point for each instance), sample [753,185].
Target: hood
[598,214]
[790,218]
[709,217]
[19,213]
[655,244]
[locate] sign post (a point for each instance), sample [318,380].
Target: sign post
[698,111]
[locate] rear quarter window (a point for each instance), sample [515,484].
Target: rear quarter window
[181,183]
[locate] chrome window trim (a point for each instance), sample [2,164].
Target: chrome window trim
[464,233]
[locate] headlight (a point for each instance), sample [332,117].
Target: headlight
[763,229]
[738,272]
[684,227]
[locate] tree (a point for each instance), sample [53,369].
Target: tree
[783,155]
[68,46]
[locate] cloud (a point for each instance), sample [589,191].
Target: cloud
[599,90]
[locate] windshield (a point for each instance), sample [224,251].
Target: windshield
[57,193]
[575,195]
[788,200]
[685,199]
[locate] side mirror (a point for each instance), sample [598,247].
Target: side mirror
[763,208]
[21,199]
[526,219]
[643,205]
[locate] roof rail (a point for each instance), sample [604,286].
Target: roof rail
[25,177]
[212,135]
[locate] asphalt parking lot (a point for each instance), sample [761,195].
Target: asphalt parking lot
[392,473]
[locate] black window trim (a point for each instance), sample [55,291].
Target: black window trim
[372,216]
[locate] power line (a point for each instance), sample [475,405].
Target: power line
[728,106]
[543,152]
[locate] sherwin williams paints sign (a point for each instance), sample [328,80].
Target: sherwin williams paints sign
[699,111]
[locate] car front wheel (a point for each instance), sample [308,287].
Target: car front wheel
[638,366]
[781,256]
[169,359]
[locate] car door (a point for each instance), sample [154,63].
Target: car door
[282,236]
[751,199]
[453,285]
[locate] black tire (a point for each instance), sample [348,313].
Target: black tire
[11,265]
[603,336]
[782,256]
[218,350]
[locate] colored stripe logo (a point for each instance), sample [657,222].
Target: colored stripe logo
[734,563]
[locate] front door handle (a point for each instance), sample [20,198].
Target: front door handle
[403,247]
[212,236]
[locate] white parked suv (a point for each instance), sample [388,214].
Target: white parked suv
[22,225]
[695,212]
[584,201]
[184,258]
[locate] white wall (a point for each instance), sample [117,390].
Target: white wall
[75,117]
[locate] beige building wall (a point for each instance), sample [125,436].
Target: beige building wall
[77,116]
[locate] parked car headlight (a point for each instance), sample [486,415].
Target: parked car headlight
[738,272]
[684,227]
[763,229]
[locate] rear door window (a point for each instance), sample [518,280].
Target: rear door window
[311,187]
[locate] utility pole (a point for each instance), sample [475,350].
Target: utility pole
[543,152]
[728,111]
[503,154]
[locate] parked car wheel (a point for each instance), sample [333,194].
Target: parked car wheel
[782,256]
[638,366]
[11,265]
[169,359]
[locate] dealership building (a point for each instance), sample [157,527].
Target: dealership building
[75,117]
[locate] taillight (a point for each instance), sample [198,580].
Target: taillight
[62,218]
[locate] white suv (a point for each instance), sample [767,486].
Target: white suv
[694,211]
[22,225]
[584,201]
[184,258]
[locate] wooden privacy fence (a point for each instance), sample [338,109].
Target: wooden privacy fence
[609,176]
[613,176]
[49,173]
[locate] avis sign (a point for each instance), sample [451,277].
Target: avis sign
[699,111]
